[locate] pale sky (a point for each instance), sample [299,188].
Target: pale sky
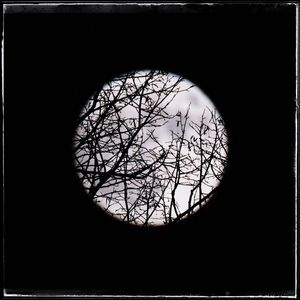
[199,103]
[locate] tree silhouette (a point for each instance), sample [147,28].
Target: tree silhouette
[129,169]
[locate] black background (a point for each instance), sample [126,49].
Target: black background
[242,243]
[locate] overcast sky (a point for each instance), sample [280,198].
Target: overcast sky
[198,104]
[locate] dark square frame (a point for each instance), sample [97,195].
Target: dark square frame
[242,56]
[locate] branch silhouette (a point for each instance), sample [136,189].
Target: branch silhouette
[128,169]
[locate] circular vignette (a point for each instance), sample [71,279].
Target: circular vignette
[150,148]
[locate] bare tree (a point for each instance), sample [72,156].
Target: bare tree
[125,165]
